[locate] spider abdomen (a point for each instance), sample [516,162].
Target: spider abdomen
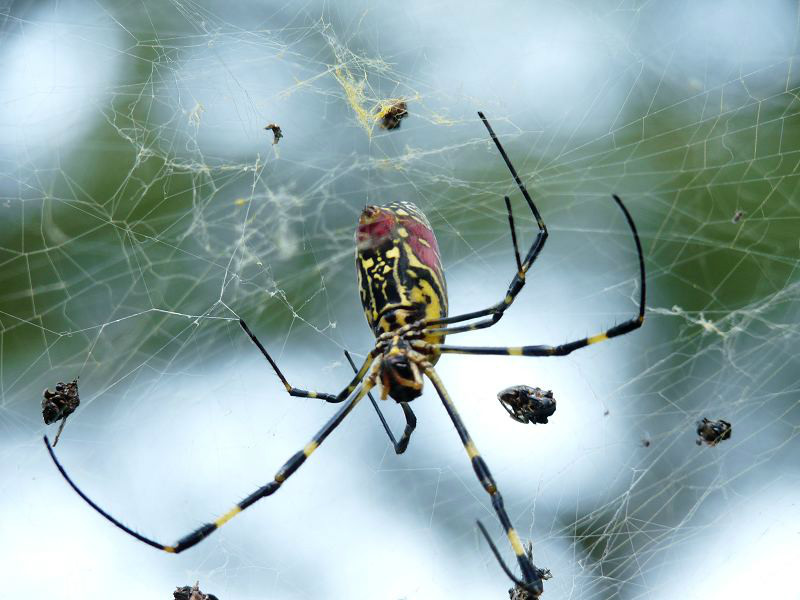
[400,275]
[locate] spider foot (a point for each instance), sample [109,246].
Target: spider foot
[533,587]
[519,592]
[527,404]
[530,590]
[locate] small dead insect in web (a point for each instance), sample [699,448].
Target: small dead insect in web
[646,442]
[276,132]
[527,404]
[712,432]
[192,593]
[60,404]
[737,216]
[392,116]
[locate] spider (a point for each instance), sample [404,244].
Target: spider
[404,295]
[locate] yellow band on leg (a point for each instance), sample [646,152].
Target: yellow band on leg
[472,451]
[597,338]
[516,543]
[310,447]
[227,516]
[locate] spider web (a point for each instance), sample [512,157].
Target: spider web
[144,210]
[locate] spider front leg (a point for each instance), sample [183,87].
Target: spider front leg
[531,575]
[286,471]
[568,347]
[411,419]
[495,312]
[297,392]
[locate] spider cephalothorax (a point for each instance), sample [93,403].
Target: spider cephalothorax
[401,376]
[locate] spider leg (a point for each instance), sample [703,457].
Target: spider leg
[286,471]
[495,312]
[530,574]
[297,392]
[497,555]
[513,232]
[566,348]
[411,419]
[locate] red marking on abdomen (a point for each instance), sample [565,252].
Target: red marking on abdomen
[428,255]
[379,226]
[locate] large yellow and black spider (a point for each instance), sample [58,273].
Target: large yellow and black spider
[403,291]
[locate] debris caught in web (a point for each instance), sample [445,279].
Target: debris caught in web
[392,116]
[712,433]
[192,593]
[527,404]
[276,132]
[60,404]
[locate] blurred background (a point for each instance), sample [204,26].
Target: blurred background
[144,210]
